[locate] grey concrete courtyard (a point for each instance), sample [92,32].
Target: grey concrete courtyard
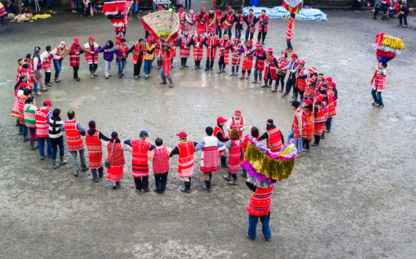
[352,197]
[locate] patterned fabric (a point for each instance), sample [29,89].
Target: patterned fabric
[73,136]
[260,202]
[282,62]
[211,42]
[298,132]
[166,62]
[310,90]
[140,166]
[270,66]
[116,157]
[29,114]
[185,52]
[274,142]
[209,156]
[119,36]
[202,22]
[219,18]
[266,26]
[229,20]
[307,132]
[301,83]
[380,81]
[115,173]
[198,48]
[319,120]
[225,52]
[137,49]
[123,50]
[73,57]
[210,24]
[182,19]
[22,100]
[46,65]
[235,154]
[91,58]
[58,55]
[15,109]
[248,58]
[331,104]
[235,54]
[260,63]
[173,49]
[250,20]
[95,152]
[186,159]
[289,32]
[42,125]
[160,160]
[216,130]
[238,126]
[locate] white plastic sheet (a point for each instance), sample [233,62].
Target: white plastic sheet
[280,12]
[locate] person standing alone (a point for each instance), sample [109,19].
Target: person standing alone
[379,79]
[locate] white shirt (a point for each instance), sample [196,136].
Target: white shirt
[237,122]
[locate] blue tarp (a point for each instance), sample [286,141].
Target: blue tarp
[280,12]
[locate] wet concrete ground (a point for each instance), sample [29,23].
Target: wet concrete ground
[353,197]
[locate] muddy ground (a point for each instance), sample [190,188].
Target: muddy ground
[353,197]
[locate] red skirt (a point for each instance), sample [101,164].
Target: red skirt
[209,161]
[319,129]
[247,64]
[115,173]
[234,162]
[95,159]
[15,109]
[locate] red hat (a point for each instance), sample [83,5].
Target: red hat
[91,38]
[221,119]
[47,102]
[332,84]
[182,134]
[181,10]
[270,50]
[312,69]
[199,32]
[211,29]
[218,11]
[23,84]
[76,40]
[258,44]
[328,79]
[294,55]
[237,112]
[284,51]
[302,62]
[320,98]
[202,8]
[308,101]
[159,8]
[235,38]
[249,42]
[229,7]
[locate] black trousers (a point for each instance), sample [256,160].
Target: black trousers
[137,67]
[47,77]
[306,141]
[160,180]
[249,33]
[290,83]
[260,35]
[183,61]
[280,78]
[141,183]
[228,31]
[222,63]
[210,63]
[75,68]
[93,67]
[238,33]
[218,32]
[94,173]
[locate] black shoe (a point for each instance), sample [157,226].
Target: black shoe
[327,131]
[185,190]
[78,79]
[95,180]
[206,69]
[26,139]
[146,190]
[156,190]
[315,145]
[322,137]
[206,188]
[85,169]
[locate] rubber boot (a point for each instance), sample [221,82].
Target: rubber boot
[33,145]
[255,80]
[295,97]
[265,84]
[243,75]
[62,160]
[57,78]
[182,66]
[317,139]
[227,176]
[322,136]
[55,164]
[207,186]
[234,180]
[187,188]
[244,174]
[248,76]
[163,81]
[224,162]
[171,83]
[77,77]
[92,74]
[95,73]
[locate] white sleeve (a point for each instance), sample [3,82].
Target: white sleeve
[228,125]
